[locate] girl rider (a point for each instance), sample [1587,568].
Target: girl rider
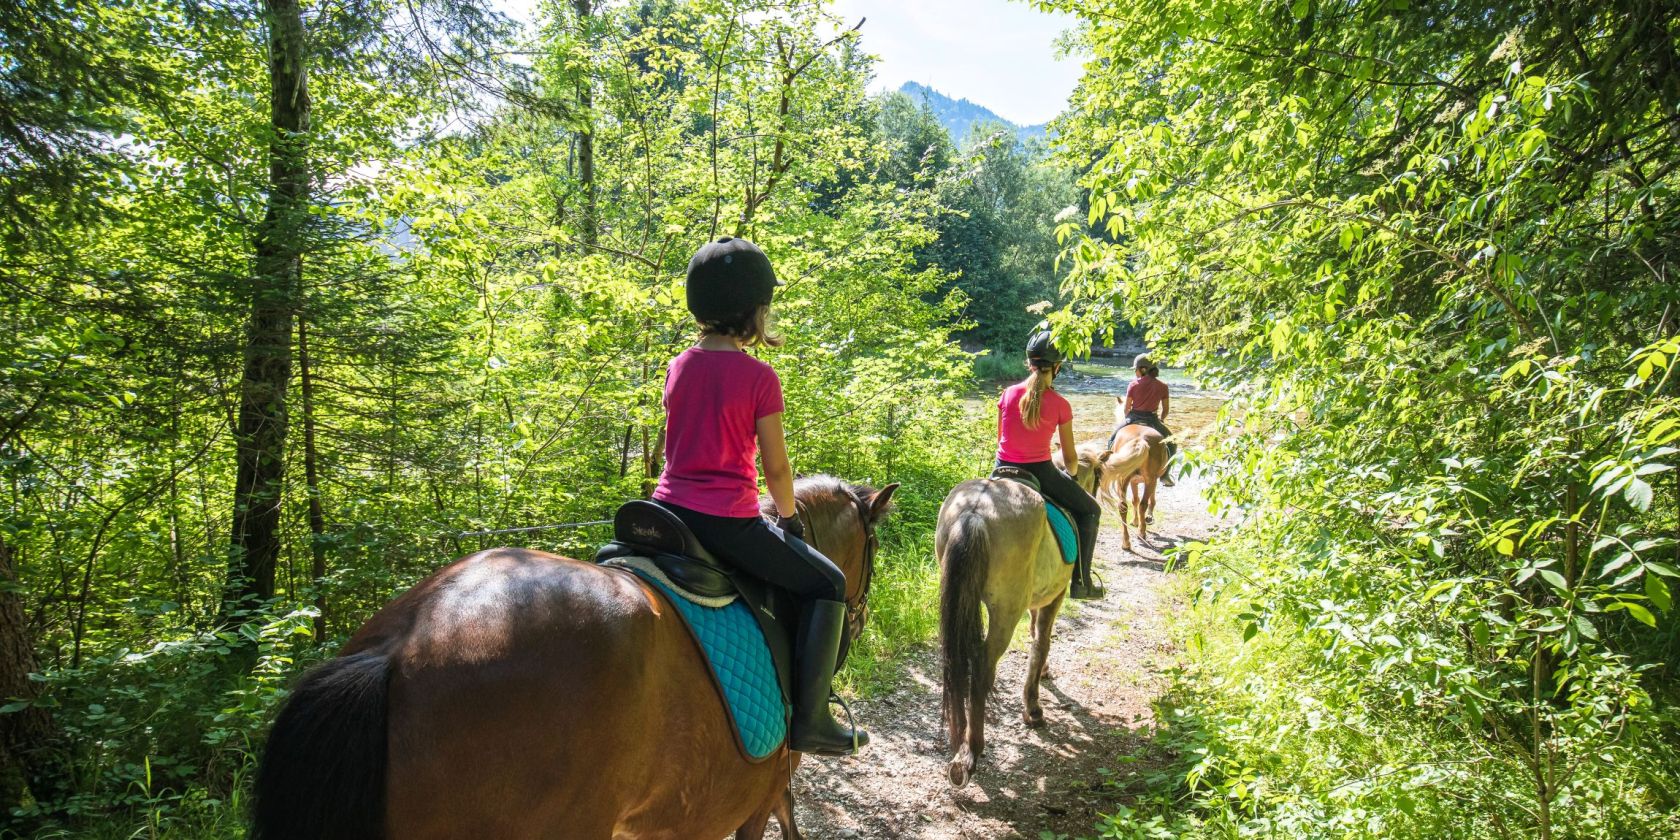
[1029,412]
[1147,403]
[722,406]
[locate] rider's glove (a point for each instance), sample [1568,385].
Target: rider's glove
[791,525]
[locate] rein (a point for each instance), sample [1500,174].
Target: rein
[855,612]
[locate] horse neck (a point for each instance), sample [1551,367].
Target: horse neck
[833,522]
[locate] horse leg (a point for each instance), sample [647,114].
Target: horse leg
[1044,623]
[753,828]
[1000,631]
[784,816]
[956,735]
[969,750]
[1044,668]
[1125,527]
[1147,508]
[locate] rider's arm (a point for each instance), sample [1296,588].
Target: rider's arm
[778,473]
[1166,405]
[1070,453]
[1123,407]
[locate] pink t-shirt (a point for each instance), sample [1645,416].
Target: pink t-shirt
[1016,442]
[1146,393]
[713,400]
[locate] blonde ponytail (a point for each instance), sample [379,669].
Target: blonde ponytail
[1033,400]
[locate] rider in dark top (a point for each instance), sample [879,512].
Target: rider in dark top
[1147,403]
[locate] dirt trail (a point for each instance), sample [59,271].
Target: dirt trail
[1105,662]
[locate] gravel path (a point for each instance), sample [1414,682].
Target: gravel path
[1106,663]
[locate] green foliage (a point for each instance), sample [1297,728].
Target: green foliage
[1428,247]
[487,329]
[1001,201]
[999,365]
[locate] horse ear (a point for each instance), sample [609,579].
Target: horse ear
[879,501]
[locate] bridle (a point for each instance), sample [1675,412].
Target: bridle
[856,613]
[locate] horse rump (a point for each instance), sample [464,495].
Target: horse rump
[322,775]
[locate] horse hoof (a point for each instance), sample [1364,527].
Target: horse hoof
[1034,718]
[958,771]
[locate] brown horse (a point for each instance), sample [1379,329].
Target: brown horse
[516,694]
[995,548]
[1134,465]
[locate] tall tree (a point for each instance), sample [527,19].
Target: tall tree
[260,435]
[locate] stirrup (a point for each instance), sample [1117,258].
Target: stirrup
[851,723]
[1096,587]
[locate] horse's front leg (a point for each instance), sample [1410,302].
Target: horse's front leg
[753,828]
[780,806]
[1044,624]
[784,816]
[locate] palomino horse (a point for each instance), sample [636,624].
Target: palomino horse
[516,694]
[1134,465]
[995,548]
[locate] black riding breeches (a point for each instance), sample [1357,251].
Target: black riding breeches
[1153,421]
[1064,491]
[766,552]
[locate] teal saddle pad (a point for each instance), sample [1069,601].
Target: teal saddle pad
[740,659]
[1062,526]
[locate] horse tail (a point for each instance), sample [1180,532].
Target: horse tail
[322,775]
[962,647]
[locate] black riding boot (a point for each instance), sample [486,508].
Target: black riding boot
[1084,586]
[814,729]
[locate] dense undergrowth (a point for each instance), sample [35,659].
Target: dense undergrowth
[1319,724]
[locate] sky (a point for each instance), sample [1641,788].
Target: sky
[996,53]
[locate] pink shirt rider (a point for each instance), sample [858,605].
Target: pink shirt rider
[1018,444]
[713,401]
[1146,393]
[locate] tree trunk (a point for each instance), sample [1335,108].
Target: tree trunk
[312,485]
[25,735]
[261,432]
[589,225]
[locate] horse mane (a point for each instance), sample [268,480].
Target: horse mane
[811,487]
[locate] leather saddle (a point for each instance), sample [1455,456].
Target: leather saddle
[1069,542]
[647,529]
[1018,474]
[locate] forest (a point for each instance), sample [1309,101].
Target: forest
[305,299]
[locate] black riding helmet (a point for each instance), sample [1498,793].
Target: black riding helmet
[727,278]
[1041,349]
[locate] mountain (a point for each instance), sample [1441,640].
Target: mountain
[958,115]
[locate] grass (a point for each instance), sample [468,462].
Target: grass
[903,614]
